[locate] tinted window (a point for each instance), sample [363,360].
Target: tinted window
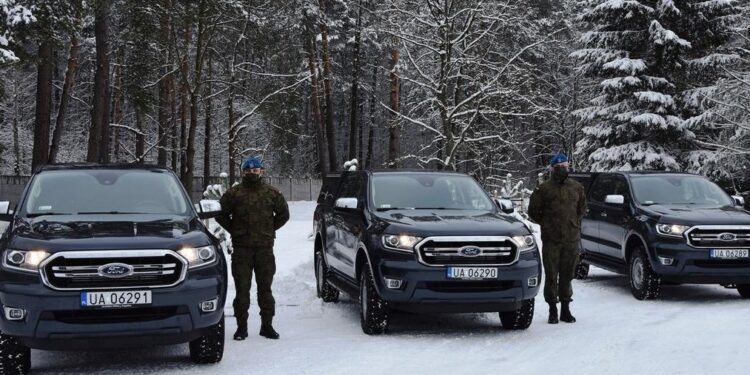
[679,189]
[350,186]
[106,191]
[603,186]
[328,190]
[428,190]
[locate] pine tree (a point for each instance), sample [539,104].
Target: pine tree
[634,122]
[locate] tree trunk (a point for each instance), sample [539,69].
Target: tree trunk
[230,118]
[330,133]
[69,81]
[99,133]
[315,101]
[207,128]
[371,132]
[173,130]
[139,136]
[183,103]
[117,109]
[353,125]
[394,130]
[200,54]
[16,145]
[46,66]
[165,84]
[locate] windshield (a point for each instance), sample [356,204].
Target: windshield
[423,190]
[103,191]
[679,190]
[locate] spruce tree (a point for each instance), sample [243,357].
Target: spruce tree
[633,123]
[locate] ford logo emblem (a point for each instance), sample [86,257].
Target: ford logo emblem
[115,270]
[727,236]
[470,251]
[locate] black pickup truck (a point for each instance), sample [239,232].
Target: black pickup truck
[108,256]
[659,227]
[422,241]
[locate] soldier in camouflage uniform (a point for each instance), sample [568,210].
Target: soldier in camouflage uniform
[558,205]
[252,212]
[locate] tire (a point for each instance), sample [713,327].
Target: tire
[582,271]
[374,311]
[210,347]
[15,359]
[519,319]
[744,290]
[645,284]
[326,291]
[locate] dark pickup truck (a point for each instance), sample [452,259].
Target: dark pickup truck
[661,227]
[422,241]
[107,256]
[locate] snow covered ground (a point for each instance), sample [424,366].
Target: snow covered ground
[691,330]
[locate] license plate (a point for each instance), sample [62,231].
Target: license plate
[116,299]
[472,273]
[730,253]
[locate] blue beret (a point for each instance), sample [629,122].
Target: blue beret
[252,163]
[559,158]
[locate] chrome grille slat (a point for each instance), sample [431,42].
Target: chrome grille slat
[80,270]
[709,236]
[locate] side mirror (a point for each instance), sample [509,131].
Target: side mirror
[5,213]
[505,205]
[738,200]
[349,203]
[614,199]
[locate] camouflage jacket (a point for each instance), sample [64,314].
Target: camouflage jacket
[558,209]
[252,213]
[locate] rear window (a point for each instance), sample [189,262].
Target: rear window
[106,191]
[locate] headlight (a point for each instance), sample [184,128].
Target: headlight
[400,242]
[27,261]
[525,243]
[198,256]
[671,230]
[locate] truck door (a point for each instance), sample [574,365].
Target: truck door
[591,237]
[613,226]
[349,223]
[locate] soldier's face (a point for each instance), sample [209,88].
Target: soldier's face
[565,166]
[251,171]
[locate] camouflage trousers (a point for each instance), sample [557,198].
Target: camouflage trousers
[560,260]
[245,262]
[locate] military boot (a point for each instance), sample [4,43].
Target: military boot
[553,314]
[565,314]
[268,332]
[241,333]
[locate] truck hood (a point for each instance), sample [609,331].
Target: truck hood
[698,215]
[426,223]
[106,232]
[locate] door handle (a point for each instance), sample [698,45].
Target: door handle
[603,214]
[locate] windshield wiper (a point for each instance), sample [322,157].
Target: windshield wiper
[110,213]
[37,214]
[382,209]
[431,208]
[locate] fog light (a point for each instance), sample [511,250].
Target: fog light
[209,306]
[392,283]
[667,261]
[13,313]
[533,281]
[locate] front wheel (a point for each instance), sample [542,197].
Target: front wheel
[326,291]
[520,318]
[582,271]
[645,284]
[210,347]
[744,290]
[15,359]
[374,311]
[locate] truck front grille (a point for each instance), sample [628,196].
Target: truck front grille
[451,251]
[719,237]
[83,270]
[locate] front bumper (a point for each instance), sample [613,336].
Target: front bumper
[55,320]
[695,266]
[427,289]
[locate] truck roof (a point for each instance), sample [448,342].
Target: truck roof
[80,166]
